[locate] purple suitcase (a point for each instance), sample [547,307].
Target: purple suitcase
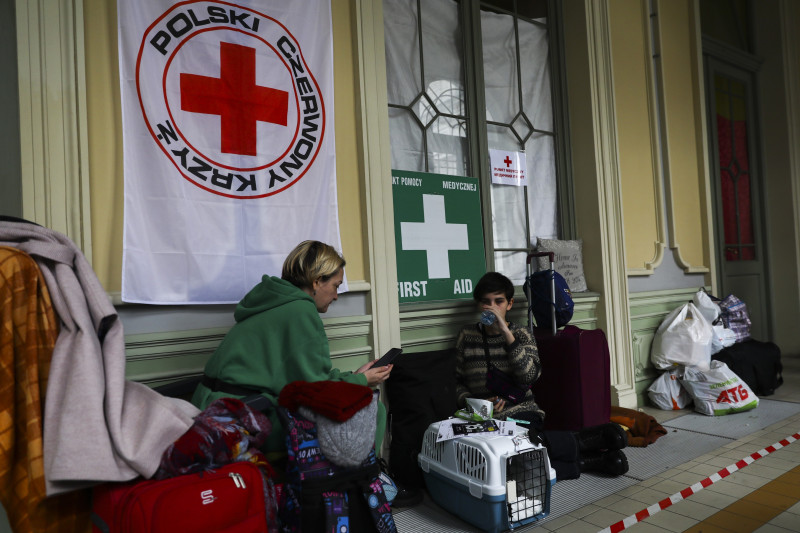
[574,389]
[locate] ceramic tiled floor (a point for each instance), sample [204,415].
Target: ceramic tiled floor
[764,496]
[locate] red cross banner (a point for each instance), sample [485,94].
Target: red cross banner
[229,157]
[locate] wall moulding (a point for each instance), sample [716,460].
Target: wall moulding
[53,123]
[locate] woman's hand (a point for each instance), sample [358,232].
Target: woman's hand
[375,376]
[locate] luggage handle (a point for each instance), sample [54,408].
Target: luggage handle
[551,256]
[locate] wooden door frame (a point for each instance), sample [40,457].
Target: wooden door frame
[720,57]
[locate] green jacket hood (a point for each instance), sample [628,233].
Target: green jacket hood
[272,292]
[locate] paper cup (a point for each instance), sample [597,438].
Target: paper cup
[482,408]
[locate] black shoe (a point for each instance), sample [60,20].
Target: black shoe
[608,436]
[611,462]
[407,497]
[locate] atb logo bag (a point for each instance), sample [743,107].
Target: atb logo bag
[718,390]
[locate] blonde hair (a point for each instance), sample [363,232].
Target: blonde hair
[310,261]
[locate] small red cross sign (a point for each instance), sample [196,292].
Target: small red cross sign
[236,98]
[507,161]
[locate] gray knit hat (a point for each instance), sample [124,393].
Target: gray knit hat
[346,443]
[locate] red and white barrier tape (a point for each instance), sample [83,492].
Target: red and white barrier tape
[694,489]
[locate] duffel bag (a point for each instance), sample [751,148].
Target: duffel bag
[421,390]
[757,363]
[235,498]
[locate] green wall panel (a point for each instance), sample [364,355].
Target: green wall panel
[160,358]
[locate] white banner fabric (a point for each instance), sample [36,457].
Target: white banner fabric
[229,156]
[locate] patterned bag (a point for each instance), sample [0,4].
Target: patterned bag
[735,317]
[321,496]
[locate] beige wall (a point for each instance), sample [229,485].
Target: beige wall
[105,141]
[637,131]
[679,197]
[688,215]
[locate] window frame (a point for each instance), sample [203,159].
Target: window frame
[477,125]
[479,142]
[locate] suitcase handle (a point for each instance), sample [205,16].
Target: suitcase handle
[550,255]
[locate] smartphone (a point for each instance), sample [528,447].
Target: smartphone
[388,357]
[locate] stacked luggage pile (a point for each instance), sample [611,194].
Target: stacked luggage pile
[215,478]
[709,359]
[576,361]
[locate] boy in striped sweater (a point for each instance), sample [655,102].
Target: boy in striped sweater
[511,350]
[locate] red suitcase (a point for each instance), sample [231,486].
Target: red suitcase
[574,390]
[233,498]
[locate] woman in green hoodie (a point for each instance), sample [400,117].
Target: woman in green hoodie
[279,338]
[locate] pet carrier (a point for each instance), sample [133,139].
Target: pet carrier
[494,482]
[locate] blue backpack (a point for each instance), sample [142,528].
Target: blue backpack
[537,287]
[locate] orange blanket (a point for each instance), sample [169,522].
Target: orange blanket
[28,332]
[643,429]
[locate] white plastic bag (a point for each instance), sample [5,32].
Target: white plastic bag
[718,390]
[667,393]
[683,338]
[708,307]
[722,338]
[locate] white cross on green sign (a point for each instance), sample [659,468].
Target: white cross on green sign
[438,234]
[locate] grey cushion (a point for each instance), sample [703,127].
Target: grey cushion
[568,261]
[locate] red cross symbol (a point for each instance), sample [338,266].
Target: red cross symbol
[236,98]
[507,161]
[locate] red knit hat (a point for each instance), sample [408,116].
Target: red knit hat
[337,400]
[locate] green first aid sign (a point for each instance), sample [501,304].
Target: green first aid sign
[439,236]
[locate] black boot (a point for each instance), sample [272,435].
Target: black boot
[405,496]
[608,436]
[611,462]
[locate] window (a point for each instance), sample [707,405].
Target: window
[466,77]
[732,99]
